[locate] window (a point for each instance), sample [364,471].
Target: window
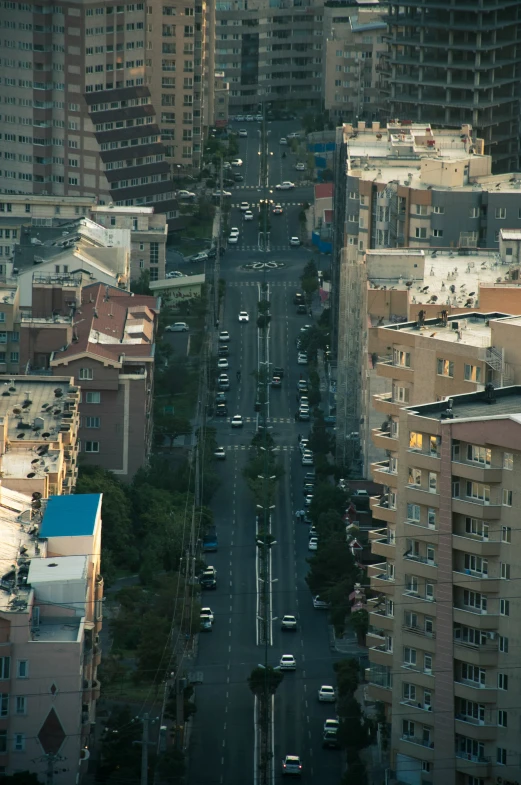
[421,209]
[427,663]
[415,441]
[400,394]
[420,233]
[437,232]
[409,656]
[445,368]
[3,741]
[473,599]
[438,209]
[431,517]
[21,704]
[475,490]
[19,742]
[433,482]
[5,667]
[475,564]
[508,460]
[505,571]
[504,607]
[478,454]
[92,422]
[473,212]
[472,673]
[402,359]
[502,718]
[476,527]
[92,397]
[502,681]
[413,512]
[15,357]
[4,704]
[507,498]
[503,644]
[472,373]
[415,476]
[409,692]
[91,446]
[86,374]
[501,213]
[501,756]
[22,669]
[411,584]
[506,534]
[407,729]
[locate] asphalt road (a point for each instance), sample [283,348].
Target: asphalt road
[222,742]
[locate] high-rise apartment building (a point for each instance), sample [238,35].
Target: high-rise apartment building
[454,62]
[270,51]
[443,636]
[101,99]
[353,44]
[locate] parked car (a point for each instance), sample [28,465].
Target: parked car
[283,141]
[320,604]
[177,327]
[294,242]
[243,132]
[221,410]
[287,185]
[185,194]
[202,256]
[224,336]
[300,167]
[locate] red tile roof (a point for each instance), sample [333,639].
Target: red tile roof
[323,190]
[104,322]
[328,216]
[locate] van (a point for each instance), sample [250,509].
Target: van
[210,541]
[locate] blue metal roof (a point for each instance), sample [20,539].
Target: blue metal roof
[70,516]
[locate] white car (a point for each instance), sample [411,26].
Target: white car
[294,135]
[216,194]
[243,316]
[307,501]
[302,358]
[223,364]
[321,604]
[304,445]
[249,118]
[331,725]
[224,336]
[248,215]
[307,459]
[234,231]
[300,167]
[239,118]
[283,140]
[285,186]
[185,195]
[313,544]
[258,117]
[220,454]
[294,242]
[244,206]
[327,694]
[207,612]
[292,765]
[233,239]
[177,327]
[288,663]
[243,132]
[202,256]
[237,162]
[237,421]
[174,274]
[289,623]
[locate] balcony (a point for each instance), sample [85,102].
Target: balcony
[416,711]
[376,692]
[395,372]
[428,533]
[380,655]
[382,512]
[380,581]
[473,729]
[381,545]
[384,404]
[472,618]
[381,620]
[384,440]
[474,508]
[477,472]
[473,691]
[420,603]
[422,567]
[424,460]
[467,579]
[426,751]
[413,634]
[381,473]
[472,765]
[475,546]
[418,495]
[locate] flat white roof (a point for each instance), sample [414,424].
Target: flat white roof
[131,210]
[61,568]
[175,283]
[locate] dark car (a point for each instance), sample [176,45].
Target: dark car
[301,309]
[309,487]
[278,371]
[330,420]
[223,350]
[309,477]
[220,397]
[208,581]
[221,410]
[330,740]
[298,298]
[238,177]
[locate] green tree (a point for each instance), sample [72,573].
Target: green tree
[347,676]
[171,767]
[326,498]
[154,649]
[320,439]
[142,284]
[356,773]
[360,623]
[169,426]
[264,680]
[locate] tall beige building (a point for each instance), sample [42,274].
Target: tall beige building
[444,629]
[101,99]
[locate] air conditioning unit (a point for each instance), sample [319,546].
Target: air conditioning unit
[492,636]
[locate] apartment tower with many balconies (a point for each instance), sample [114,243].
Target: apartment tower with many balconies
[444,628]
[453,62]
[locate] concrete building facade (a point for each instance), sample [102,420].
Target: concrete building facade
[450,63]
[104,98]
[443,627]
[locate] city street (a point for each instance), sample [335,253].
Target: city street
[222,741]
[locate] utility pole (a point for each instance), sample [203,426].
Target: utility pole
[144,751]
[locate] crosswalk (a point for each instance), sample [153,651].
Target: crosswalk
[248,420]
[243,447]
[256,247]
[285,284]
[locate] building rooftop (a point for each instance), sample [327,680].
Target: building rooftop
[36,408]
[495,402]
[112,323]
[58,568]
[471,329]
[448,279]
[121,209]
[70,516]
[324,190]
[18,545]
[65,629]
[176,283]
[409,141]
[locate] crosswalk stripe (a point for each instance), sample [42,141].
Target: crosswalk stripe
[257,204]
[286,284]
